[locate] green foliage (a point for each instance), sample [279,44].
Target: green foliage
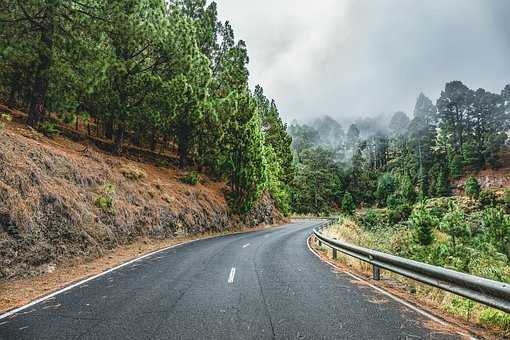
[422,224]
[49,129]
[496,227]
[487,198]
[106,199]
[472,187]
[371,218]
[456,165]
[4,117]
[386,186]
[442,187]
[454,223]
[506,199]
[348,204]
[317,187]
[494,317]
[191,178]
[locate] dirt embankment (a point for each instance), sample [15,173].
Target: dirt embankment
[60,200]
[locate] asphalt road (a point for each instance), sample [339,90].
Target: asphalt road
[258,285]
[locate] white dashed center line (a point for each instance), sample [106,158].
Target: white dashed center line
[232,274]
[246,245]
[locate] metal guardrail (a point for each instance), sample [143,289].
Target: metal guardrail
[488,292]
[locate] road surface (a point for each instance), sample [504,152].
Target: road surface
[260,285]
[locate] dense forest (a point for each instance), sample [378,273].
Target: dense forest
[409,185]
[399,159]
[160,75]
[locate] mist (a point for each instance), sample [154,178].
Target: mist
[349,59]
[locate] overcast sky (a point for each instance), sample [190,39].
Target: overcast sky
[351,58]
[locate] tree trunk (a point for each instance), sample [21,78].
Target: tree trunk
[108,127]
[153,140]
[41,76]
[15,89]
[119,138]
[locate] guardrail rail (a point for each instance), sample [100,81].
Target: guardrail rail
[488,292]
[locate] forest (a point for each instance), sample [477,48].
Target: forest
[164,76]
[409,185]
[169,77]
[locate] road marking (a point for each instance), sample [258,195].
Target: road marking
[232,274]
[246,245]
[47,297]
[65,289]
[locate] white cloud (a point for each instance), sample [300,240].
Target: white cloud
[356,57]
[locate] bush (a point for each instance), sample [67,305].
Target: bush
[456,165]
[348,204]
[472,187]
[105,201]
[455,225]
[371,218]
[49,129]
[132,172]
[422,224]
[386,186]
[506,199]
[406,190]
[4,117]
[191,178]
[487,198]
[496,227]
[493,317]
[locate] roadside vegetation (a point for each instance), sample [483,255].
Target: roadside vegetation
[414,187]
[165,78]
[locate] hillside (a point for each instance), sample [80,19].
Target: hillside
[61,199]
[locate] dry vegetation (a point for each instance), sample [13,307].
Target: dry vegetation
[61,200]
[488,322]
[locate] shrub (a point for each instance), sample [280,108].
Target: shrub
[49,129]
[386,186]
[496,226]
[422,224]
[4,117]
[105,201]
[191,178]
[472,187]
[406,190]
[442,187]
[371,218]
[348,204]
[506,199]
[487,198]
[493,317]
[133,173]
[455,225]
[456,165]
[399,213]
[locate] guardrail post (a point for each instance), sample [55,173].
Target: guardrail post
[334,253]
[376,273]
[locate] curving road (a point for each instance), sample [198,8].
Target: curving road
[258,285]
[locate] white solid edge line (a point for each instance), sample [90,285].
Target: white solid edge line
[44,298]
[232,274]
[380,290]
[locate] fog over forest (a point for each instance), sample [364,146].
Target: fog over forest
[350,59]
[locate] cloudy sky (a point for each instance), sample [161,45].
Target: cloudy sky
[349,58]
